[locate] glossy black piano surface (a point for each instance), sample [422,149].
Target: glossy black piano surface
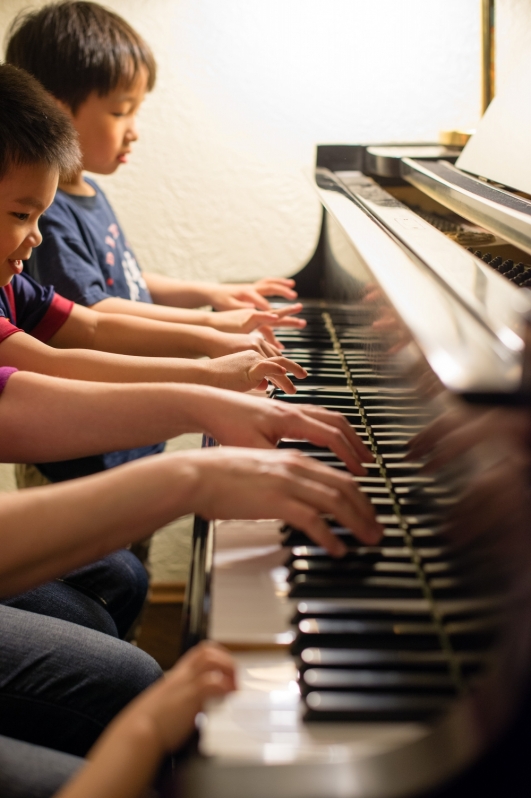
[429,630]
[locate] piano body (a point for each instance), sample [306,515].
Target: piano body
[394,670]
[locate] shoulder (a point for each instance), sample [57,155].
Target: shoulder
[25,288]
[62,210]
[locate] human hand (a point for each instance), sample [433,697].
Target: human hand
[256,484]
[494,507]
[254,422]
[246,320]
[460,430]
[221,344]
[246,371]
[229,296]
[169,707]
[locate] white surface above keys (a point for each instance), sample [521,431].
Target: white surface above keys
[249,603]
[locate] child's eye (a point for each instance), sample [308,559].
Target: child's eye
[22,217]
[117,114]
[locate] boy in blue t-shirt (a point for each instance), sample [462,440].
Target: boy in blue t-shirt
[99,70]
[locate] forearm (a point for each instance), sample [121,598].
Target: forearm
[122,764]
[28,354]
[130,335]
[98,514]
[157,312]
[51,419]
[176,293]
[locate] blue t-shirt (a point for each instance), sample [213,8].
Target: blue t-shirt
[26,306]
[84,251]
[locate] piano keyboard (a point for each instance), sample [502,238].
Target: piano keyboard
[345,658]
[360,654]
[390,672]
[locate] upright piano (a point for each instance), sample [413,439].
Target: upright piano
[398,669]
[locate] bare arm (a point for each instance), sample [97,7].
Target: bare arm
[123,762]
[51,530]
[51,419]
[241,372]
[133,335]
[222,296]
[243,320]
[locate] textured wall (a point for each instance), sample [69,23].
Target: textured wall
[215,188]
[513,27]
[248,88]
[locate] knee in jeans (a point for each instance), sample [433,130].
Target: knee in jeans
[130,572]
[137,669]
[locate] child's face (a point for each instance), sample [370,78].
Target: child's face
[25,193]
[107,126]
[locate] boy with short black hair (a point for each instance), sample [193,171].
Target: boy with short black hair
[99,70]
[27,187]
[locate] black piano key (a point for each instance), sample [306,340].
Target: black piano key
[410,609]
[390,446]
[388,630]
[304,586]
[344,568]
[366,634]
[294,537]
[358,706]
[341,404]
[373,680]
[395,469]
[437,660]
[374,553]
[393,535]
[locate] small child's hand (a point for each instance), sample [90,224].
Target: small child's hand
[171,704]
[249,370]
[246,320]
[222,344]
[230,296]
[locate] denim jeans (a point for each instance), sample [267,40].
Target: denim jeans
[30,771]
[106,596]
[61,684]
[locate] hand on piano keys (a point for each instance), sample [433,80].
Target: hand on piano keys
[246,320]
[230,296]
[252,422]
[154,725]
[255,484]
[464,428]
[247,371]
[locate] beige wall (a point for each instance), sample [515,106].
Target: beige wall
[216,187]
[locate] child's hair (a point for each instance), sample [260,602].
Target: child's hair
[33,129]
[75,48]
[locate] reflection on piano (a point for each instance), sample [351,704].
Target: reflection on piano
[391,671]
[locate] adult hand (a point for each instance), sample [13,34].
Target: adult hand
[254,422]
[246,371]
[230,296]
[256,484]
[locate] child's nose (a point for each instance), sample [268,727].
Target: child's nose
[34,238]
[132,132]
